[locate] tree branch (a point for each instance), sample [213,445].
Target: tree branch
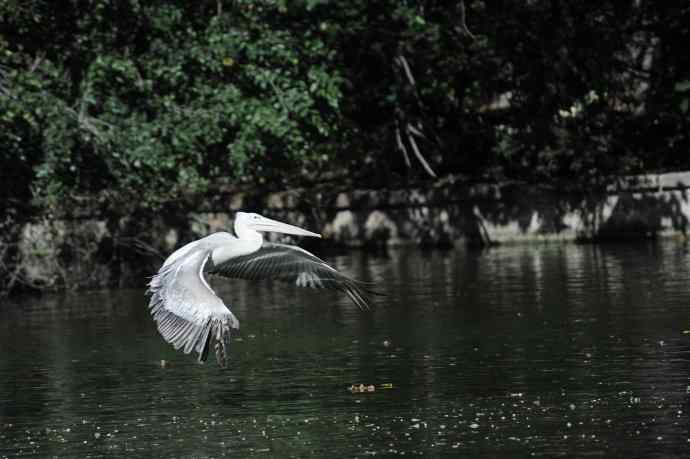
[401,145]
[418,154]
[462,26]
[406,67]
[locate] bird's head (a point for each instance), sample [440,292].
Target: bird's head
[255,222]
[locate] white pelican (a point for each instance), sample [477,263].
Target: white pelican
[188,313]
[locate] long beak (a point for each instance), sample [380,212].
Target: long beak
[266,224]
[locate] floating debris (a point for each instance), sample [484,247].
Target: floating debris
[361,388]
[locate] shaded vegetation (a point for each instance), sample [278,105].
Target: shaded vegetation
[131,104]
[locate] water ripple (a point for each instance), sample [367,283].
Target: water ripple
[526,350]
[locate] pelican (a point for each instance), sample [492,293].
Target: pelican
[188,313]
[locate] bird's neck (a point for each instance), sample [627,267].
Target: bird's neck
[245,243]
[249,235]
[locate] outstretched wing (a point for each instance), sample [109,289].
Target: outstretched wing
[291,264]
[187,311]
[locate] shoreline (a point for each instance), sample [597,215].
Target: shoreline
[82,253]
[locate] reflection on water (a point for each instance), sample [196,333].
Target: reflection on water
[546,350]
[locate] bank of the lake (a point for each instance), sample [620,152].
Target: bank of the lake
[94,250]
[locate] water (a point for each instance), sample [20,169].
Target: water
[554,350]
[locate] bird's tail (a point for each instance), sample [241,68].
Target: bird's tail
[219,338]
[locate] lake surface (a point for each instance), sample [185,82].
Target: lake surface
[552,350]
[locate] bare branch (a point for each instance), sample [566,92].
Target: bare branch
[401,145]
[37,61]
[462,26]
[416,131]
[3,81]
[406,67]
[418,154]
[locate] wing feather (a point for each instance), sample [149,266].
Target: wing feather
[187,311]
[294,265]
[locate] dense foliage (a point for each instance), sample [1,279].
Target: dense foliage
[126,105]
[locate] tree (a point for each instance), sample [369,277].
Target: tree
[135,104]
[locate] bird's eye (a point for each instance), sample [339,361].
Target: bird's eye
[255,217]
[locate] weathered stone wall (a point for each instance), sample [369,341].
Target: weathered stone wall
[93,252]
[453,213]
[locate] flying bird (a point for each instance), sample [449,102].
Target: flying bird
[188,313]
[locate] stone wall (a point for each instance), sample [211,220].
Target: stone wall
[94,253]
[454,213]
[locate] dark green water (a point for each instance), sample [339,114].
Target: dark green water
[555,350]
